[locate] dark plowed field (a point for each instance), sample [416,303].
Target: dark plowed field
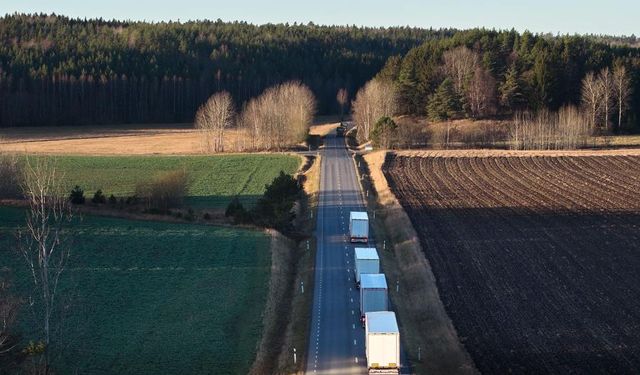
[537,259]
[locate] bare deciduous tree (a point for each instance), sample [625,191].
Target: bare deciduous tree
[482,93]
[342,97]
[591,98]
[605,85]
[460,64]
[44,243]
[279,117]
[213,117]
[376,99]
[566,129]
[622,90]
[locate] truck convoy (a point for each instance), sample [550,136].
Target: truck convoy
[359,226]
[366,261]
[373,294]
[382,341]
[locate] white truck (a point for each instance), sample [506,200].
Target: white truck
[359,226]
[373,294]
[366,261]
[382,343]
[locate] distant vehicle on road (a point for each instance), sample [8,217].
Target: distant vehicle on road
[340,130]
[373,294]
[382,343]
[368,148]
[359,226]
[366,261]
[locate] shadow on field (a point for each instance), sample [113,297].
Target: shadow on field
[544,291]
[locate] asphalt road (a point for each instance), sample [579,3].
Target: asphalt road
[336,344]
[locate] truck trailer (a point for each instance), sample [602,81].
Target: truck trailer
[373,294]
[359,226]
[382,343]
[366,261]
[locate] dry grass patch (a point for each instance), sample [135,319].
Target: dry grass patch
[424,323]
[170,139]
[323,129]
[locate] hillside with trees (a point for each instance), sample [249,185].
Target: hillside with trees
[56,70]
[482,74]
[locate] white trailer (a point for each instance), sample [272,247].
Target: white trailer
[366,261]
[382,343]
[373,294]
[359,226]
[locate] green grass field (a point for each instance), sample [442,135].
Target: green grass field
[214,179]
[155,298]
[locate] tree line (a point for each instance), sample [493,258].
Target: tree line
[496,74]
[56,70]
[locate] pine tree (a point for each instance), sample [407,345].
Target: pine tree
[510,91]
[444,104]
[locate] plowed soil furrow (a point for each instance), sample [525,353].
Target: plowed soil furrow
[536,258]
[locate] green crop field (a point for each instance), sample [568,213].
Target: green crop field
[214,179]
[154,298]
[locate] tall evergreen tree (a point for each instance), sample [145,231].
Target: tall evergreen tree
[511,96]
[445,103]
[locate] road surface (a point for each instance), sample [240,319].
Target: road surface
[336,343]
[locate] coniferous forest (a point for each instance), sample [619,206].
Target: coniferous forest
[55,70]
[489,74]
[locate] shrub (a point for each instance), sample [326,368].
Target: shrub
[165,191]
[10,177]
[384,132]
[133,199]
[77,195]
[206,216]
[113,200]
[99,198]
[275,208]
[237,212]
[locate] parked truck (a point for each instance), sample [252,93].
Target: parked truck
[366,261]
[382,343]
[359,226]
[373,294]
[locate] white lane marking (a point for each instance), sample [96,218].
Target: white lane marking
[351,300]
[356,359]
[353,312]
[354,342]
[353,326]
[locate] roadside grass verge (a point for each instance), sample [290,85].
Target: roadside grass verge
[428,335]
[146,297]
[287,315]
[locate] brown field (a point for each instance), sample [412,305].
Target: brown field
[536,257]
[137,139]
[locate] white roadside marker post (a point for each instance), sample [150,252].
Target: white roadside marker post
[302,286]
[295,356]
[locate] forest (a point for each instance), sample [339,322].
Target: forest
[56,70]
[493,74]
